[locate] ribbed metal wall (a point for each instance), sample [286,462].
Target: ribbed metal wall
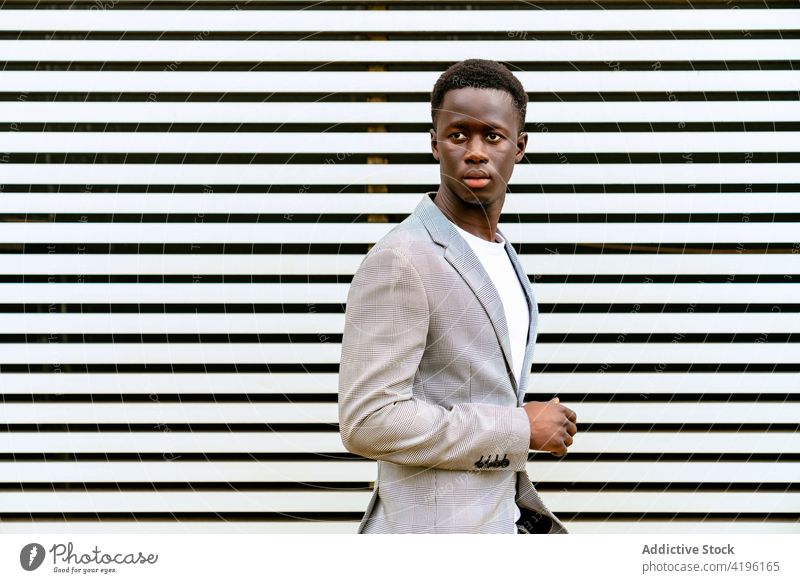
[187,188]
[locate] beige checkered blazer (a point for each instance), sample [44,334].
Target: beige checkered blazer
[426,388]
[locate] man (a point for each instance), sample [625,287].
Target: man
[439,334]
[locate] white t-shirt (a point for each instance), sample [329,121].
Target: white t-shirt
[498,265]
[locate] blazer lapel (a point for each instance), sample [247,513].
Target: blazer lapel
[460,255]
[533,318]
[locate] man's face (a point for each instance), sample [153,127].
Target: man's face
[476,142]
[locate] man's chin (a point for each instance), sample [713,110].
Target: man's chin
[479,197]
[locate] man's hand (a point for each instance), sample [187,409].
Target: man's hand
[552,425]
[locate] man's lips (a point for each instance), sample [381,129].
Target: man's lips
[476,180]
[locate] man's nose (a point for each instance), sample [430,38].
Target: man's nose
[474,150]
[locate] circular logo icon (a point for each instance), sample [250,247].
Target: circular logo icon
[31,556]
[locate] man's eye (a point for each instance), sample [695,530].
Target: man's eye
[495,137]
[456,134]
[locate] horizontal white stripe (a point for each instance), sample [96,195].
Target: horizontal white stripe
[336,144]
[365,471]
[720,527]
[172,442]
[186,264]
[39,527]
[251,471]
[400,20]
[744,502]
[662,471]
[267,383]
[327,383]
[327,352]
[649,323]
[344,501]
[289,204]
[175,443]
[322,264]
[387,112]
[325,293]
[286,233]
[185,501]
[248,526]
[385,81]
[418,51]
[399,174]
[304,412]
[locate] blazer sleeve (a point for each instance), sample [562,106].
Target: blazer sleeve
[385,334]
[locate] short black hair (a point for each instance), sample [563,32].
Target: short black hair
[481,74]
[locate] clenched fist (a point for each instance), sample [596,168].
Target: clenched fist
[552,425]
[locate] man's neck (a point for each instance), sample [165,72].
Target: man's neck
[475,219]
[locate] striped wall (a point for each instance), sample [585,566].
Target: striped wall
[186,189]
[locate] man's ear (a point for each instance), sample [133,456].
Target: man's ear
[522,143]
[434,144]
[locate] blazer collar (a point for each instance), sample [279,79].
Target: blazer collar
[461,256]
